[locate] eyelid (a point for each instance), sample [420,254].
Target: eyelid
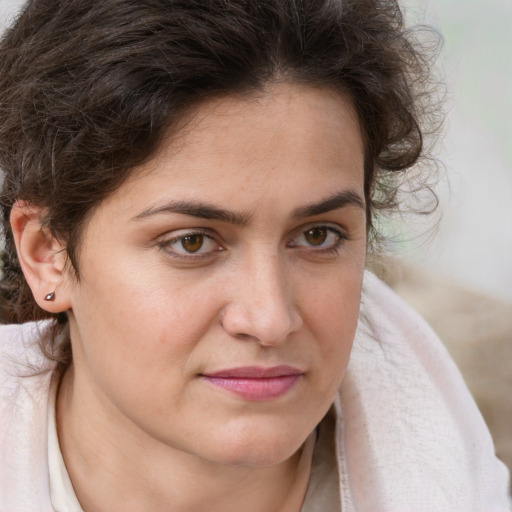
[331,226]
[340,233]
[165,241]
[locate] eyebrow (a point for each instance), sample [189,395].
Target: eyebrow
[208,211]
[333,202]
[197,209]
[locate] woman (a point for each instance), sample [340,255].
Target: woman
[189,192]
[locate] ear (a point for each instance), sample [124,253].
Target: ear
[42,258]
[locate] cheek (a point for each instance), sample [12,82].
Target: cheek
[331,312]
[144,294]
[147,323]
[139,345]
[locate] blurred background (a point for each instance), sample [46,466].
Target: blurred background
[460,279]
[474,242]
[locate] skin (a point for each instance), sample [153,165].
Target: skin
[273,283]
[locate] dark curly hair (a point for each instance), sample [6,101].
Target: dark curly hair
[89,88]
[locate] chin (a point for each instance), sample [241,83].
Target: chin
[258,447]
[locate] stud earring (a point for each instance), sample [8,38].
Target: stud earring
[50,297]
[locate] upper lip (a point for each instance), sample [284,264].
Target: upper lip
[255,372]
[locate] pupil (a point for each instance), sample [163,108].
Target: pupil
[192,243]
[316,236]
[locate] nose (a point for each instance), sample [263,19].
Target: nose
[261,305]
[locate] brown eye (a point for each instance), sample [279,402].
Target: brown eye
[192,243]
[319,239]
[316,236]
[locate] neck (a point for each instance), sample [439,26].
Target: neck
[114,468]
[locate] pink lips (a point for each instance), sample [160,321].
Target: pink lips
[256,383]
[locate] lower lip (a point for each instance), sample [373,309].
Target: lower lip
[256,389]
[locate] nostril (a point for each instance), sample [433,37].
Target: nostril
[239,335]
[244,337]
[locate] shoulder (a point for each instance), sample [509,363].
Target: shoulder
[25,378]
[20,352]
[24,369]
[411,428]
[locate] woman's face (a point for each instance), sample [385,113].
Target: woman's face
[220,285]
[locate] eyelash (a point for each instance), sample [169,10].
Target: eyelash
[207,235]
[334,248]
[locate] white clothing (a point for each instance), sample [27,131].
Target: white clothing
[408,435]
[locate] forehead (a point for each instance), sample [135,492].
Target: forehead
[270,116]
[266,145]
